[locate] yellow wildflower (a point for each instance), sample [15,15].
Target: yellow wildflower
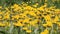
[56,19]
[0,16]
[1,12]
[32,13]
[25,28]
[18,24]
[47,18]
[0,7]
[42,33]
[6,16]
[49,23]
[46,0]
[45,25]
[7,24]
[28,31]
[16,16]
[45,32]
[1,24]
[35,5]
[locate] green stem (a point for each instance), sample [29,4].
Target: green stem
[51,30]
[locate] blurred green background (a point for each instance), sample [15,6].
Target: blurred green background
[31,2]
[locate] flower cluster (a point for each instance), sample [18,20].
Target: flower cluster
[31,19]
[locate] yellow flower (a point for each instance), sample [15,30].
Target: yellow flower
[47,18]
[12,6]
[46,0]
[16,16]
[1,12]
[41,8]
[7,24]
[6,8]
[26,20]
[45,32]
[34,22]
[16,5]
[18,24]
[32,13]
[1,24]
[56,18]
[28,31]
[49,23]
[6,16]
[25,28]
[58,23]
[45,5]
[35,5]
[52,7]
[0,7]
[45,25]
[17,9]
[42,33]
[0,16]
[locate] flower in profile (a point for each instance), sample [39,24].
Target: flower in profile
[28,31]
[35,5]
[25,28]
[45,25]
[45,32]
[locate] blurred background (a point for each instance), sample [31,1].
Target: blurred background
[31,2]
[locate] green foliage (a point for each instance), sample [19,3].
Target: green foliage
[41,2]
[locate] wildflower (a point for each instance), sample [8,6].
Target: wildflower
[18,24]
[47,18]
[49,23]
[1,24]
[35,5]
[6,8]
[0,7]
[28,31]
[45,32]
[41,8]
[32,13]
[6,16]
[12,6]
[7,24]
[25,28]
[1,12]
[16,16]
[26,20]
[42,33]
[15,5]
[56,19]
[46,0]
[0,16]
[45,25]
